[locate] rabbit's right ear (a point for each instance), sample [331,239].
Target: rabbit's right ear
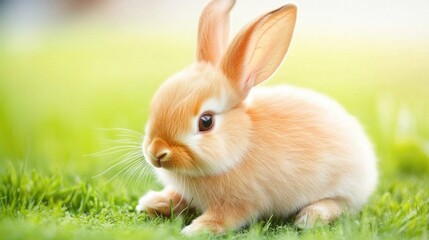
[213,31]
[259,49]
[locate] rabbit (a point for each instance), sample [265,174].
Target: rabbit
[238,152]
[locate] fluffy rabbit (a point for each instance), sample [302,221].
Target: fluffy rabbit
[236,152]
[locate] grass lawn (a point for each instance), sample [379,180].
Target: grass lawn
[77,93]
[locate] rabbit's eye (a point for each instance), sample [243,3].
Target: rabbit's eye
[206,122]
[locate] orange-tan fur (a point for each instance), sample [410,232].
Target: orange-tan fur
[280,151]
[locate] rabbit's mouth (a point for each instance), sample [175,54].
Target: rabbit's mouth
[173,157]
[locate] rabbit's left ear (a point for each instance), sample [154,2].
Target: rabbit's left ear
[259,49]
[213,31]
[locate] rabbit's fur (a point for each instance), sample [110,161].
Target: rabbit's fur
[280,150]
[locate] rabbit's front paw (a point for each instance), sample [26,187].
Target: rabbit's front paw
[155,204]
[197,227]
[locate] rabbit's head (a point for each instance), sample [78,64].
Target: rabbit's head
[199,120]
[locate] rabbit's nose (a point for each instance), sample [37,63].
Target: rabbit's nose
[159,152]
[162,156]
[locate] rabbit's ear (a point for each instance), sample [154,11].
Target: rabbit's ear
[213,31]
[259,49]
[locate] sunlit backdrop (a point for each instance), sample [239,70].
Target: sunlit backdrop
[74,75]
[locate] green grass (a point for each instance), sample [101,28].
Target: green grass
[66,100]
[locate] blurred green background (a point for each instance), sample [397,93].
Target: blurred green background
[71,95]
[56,100]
